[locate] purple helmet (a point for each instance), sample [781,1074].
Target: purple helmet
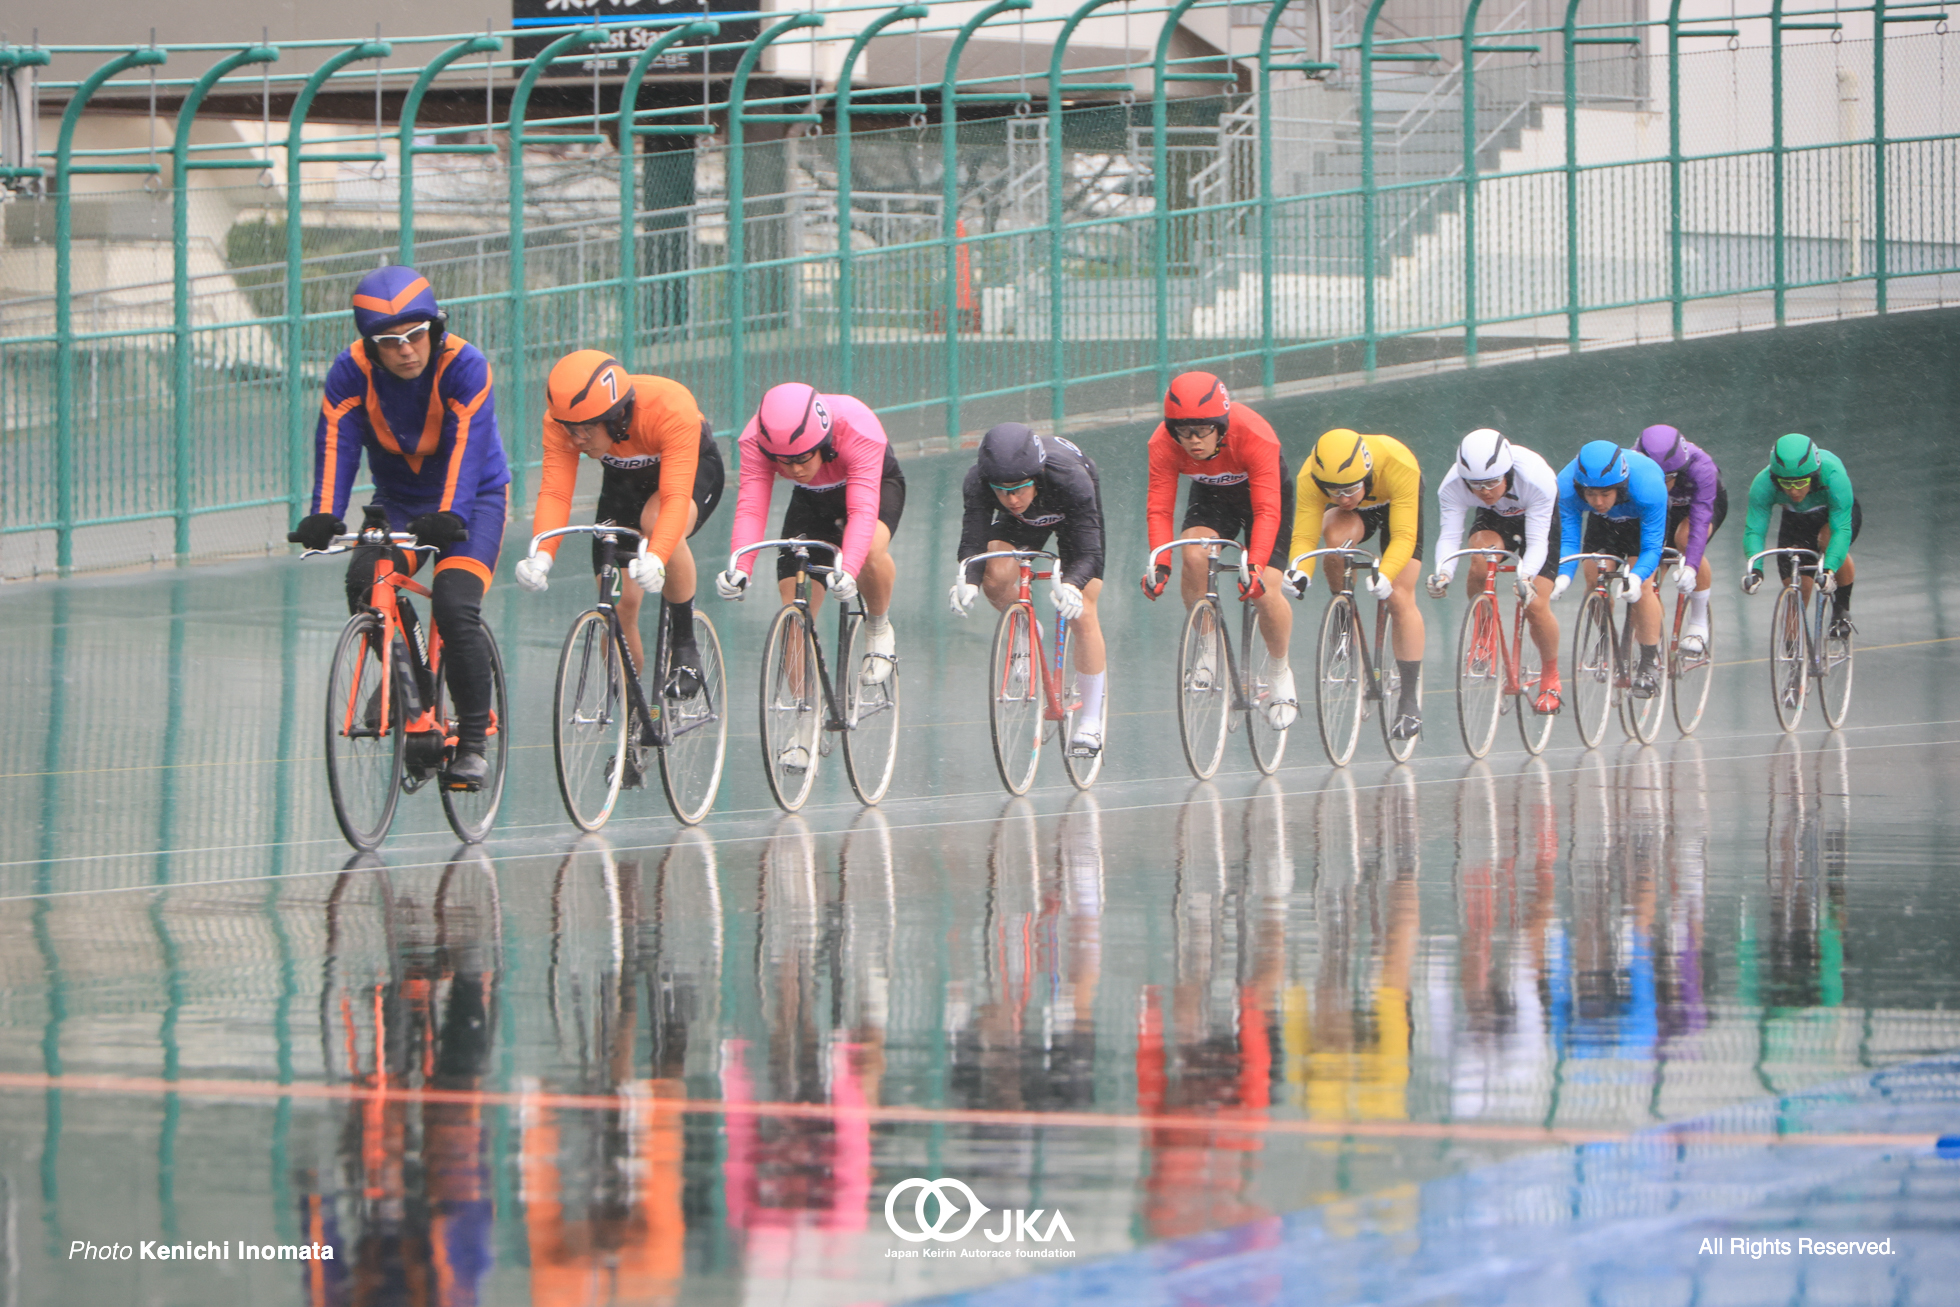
[1665,446]
[393,297]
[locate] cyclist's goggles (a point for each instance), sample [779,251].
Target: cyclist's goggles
[1196,430]
[1791,483]
[1013,489]
[1492,484]
[794,460]
[1340,492]
[402,339]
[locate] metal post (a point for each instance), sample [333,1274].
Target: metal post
[1269,365]
[296,382]
[1880,258]
[736,270]
[64,291]
[408,149]
[949,215]
[1468,92]
[1368,186]
[180,235]
[846,285]
[1776,149]
[1571,177]
[517,399]
[1160,190]
[1057,354]
[1676,275]
[629,134]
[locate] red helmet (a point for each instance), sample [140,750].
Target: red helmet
[1198,397]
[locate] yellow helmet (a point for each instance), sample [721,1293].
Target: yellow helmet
[1340,458]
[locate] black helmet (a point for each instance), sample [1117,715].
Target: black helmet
[1010,454]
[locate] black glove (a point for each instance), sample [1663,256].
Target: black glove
[317,531]
[439,529]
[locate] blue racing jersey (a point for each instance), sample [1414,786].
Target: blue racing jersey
[432,443]
[1643,497]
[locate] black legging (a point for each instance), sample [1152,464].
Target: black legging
[457,599]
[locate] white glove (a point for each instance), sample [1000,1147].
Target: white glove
[1827,582]
[1684,577]
[1526,586]
[1381,587]
[649,571]
[1298,582]
[1438,585]
[1068,601]
[843,585]
[1559,586]
[964,597]
[1752,580]
[731,584]
[531,572]
[1625,586]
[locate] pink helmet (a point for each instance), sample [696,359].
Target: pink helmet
[792,421]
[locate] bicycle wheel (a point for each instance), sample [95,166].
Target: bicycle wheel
[1788,675]
[364,761]
[1267,741]
[1014,699]
[1834,686]
[1082,768]
[471,812]
[1641,718]
[589,725]
[1480,675]
[1534,727]
[1593,668]
[1391,680]
[1692,675]
[1337,680]
[697,733]
[1203,696]
[792,709]
[871,720]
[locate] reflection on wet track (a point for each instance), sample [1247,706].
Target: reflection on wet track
[664,1065]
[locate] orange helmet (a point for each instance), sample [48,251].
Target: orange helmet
[590,385]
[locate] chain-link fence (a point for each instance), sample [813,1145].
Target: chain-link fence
[163,339]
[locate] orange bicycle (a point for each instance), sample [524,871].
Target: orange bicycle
[1029,695]
[1495,675]
[390,724]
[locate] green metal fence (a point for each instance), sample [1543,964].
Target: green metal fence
[1048,243]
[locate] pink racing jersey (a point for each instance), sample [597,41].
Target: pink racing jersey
[859,469]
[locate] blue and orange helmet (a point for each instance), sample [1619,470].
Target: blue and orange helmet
[394,297]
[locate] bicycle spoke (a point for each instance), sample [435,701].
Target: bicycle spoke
[1203,692]
[696,729]
[1593,669]
[471,812]
[792,710]
[364,736]
[1789,673]
[1480,675]
[589,722]
[1337,681]
[1014,699]
[871,719]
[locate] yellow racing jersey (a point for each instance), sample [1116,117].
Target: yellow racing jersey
[1394,482]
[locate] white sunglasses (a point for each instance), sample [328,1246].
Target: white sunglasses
[405,338]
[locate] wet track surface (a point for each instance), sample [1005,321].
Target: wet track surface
[670,1065]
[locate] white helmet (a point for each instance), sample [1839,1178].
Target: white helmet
[1484,455]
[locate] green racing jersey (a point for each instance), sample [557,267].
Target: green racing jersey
[1830,492]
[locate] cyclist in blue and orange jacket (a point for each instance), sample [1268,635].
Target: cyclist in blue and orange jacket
[1626,493]
[418,399]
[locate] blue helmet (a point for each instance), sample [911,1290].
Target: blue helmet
[1601,465]
[393,297]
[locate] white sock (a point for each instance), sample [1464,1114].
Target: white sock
[877,622]
[1092,695]
[1698,606]
[1275,665]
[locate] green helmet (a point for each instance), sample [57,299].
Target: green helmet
[1793,458]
